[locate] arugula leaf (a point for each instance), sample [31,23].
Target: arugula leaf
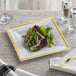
[43,29]
[28,41]
[48,29]
[50,40]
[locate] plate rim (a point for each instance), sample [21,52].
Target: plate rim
[19,56]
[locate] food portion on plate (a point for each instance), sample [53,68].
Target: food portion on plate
[38,37]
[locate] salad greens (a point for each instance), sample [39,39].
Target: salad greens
[43,30]
[38,37]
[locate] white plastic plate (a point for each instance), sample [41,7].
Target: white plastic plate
[15,34]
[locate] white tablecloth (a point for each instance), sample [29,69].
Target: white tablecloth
[39,66]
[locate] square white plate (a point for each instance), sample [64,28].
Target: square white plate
[15,34]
